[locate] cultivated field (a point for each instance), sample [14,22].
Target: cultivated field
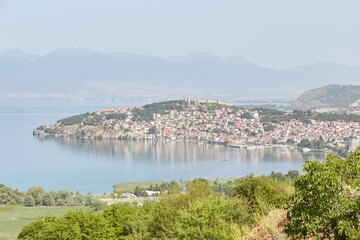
[14,217]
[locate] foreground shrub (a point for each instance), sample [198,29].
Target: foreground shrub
[326,203]
[262,193]
[74,225]
[211,218]
[201,213]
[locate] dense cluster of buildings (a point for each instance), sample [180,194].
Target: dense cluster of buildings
[228,125]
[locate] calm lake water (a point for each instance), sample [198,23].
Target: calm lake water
[95,166]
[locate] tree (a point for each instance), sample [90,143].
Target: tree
[94,202]
[78,199]
[65,197]
[261,193]
[293,174]
[305,143]
[49,199]
[326,201]
[140,192]
[36,229]
[37,193]
[117,216]
[199,188]
[173,188]
[29,201]
[226,189]
[166,214]
[73,225]
[210,218]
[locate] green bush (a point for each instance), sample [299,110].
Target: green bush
[262,193]
[326,201]
[73,225]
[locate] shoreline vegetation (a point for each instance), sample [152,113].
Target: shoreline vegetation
[16,213]
[214,122]
[323,203]
[37,196]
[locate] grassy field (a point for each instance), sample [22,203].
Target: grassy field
[130,187]
[14,217]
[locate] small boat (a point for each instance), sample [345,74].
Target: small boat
[306,150]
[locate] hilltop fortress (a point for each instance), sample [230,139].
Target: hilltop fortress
[199,101]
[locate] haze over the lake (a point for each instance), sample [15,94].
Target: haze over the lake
[276,34]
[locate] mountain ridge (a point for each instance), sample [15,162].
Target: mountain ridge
[80,72]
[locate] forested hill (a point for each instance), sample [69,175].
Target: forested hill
[331,96]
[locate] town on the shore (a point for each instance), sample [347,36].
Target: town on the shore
[206,121]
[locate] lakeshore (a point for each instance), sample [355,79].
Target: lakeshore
[212,122]
[90,165]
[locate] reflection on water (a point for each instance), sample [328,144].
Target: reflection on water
[180,153]
[75,164]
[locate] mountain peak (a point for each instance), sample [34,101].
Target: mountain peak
[203,56]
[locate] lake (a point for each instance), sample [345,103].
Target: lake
[96,165]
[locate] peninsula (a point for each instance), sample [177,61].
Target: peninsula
[214,122]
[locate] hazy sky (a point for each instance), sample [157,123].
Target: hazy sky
[273,33]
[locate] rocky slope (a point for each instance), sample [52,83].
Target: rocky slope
[331,96]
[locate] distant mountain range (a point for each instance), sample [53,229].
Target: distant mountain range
[331,96]
[82,73]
